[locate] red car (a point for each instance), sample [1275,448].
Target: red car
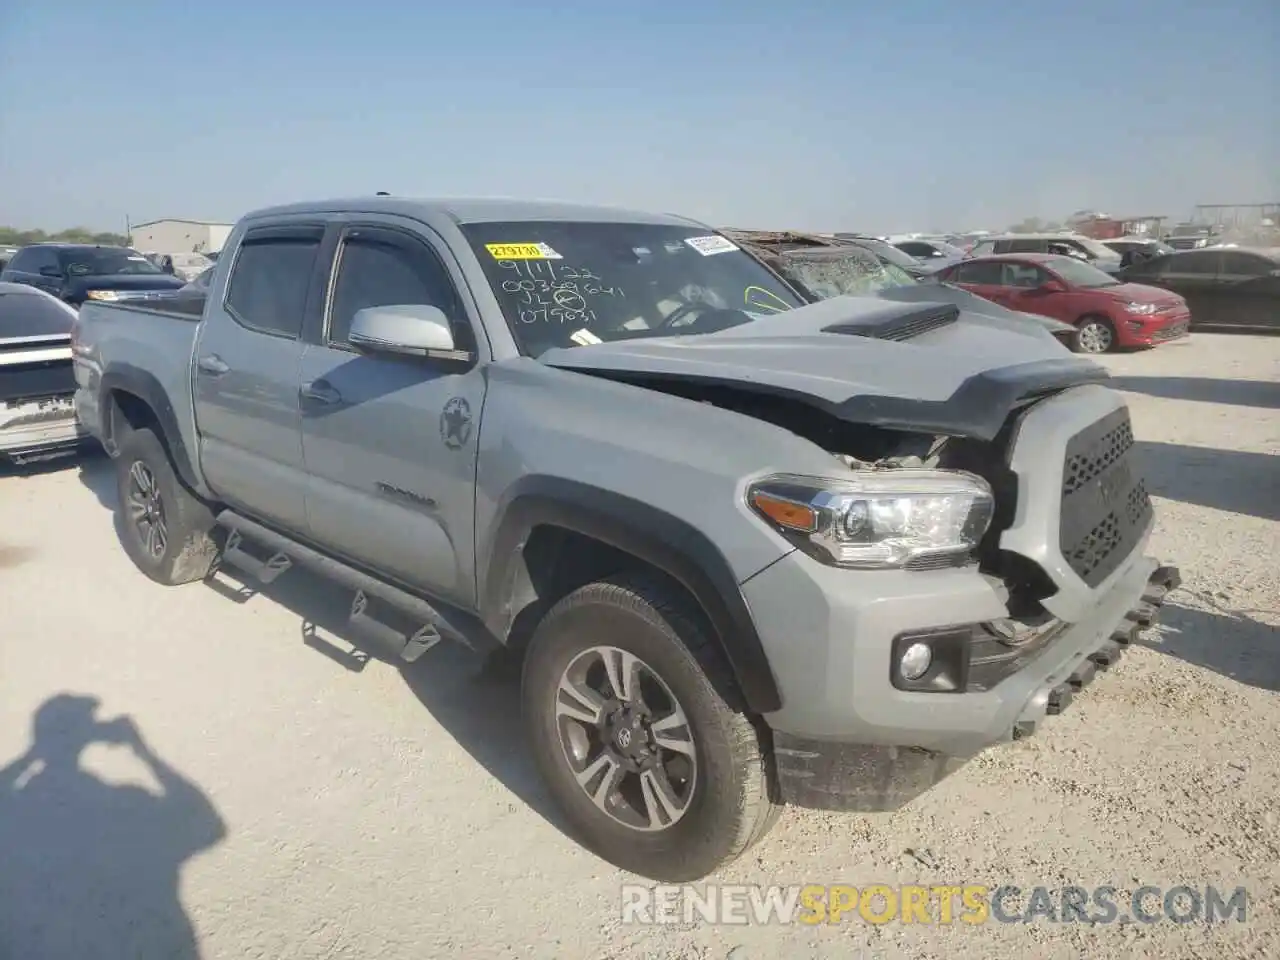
[1106,313]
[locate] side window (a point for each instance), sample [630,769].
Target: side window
[271,276]
[1025,246]
[1245,265]
[1023,275]
[1195,263]
[986,273]
[378,267]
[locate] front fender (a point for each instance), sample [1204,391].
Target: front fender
[640,530]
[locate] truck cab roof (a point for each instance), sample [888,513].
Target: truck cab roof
[477,210]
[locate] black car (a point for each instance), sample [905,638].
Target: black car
[75,272]
[1226,288]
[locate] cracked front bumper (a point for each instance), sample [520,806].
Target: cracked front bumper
[856,743]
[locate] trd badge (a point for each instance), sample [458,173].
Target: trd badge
[455,423]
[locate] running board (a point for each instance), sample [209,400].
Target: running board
[373,605]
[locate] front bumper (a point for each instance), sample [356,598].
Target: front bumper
[883,768]
[1082,517]
[1161,329]
[39,430]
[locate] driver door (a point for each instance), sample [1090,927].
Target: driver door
[389,441]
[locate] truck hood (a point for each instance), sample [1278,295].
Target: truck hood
[922,366]
[126,281]
[1013,320]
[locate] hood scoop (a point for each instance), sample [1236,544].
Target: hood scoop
[899,324]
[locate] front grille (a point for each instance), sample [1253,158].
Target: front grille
[1105,506]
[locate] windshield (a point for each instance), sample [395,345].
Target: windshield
[889,253]
[564,284]
[858,274]
[105,262]
[1099,251]
[946,247]
[1080,274]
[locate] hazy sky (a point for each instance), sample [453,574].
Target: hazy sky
[879,115]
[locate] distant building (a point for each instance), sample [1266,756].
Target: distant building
[179,236]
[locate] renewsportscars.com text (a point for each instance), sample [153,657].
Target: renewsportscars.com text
[971,904]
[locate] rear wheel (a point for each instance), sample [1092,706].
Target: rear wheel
[166,529]
[638,731]
[1093,335]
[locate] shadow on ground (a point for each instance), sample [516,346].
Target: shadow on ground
[89,868]
[1229,642]
[1230,480]
[1240,393]
[477,700]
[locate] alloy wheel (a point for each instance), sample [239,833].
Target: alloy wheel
[626,738]
[146,510]
[1095,337]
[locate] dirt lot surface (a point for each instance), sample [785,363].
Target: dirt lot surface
[272,799]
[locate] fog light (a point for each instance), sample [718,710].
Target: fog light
[915,661]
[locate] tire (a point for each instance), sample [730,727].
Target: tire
[728,804]
[1094,335]
[186,550]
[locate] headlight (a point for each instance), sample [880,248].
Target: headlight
[877,519]
[1142,309]
[101,295]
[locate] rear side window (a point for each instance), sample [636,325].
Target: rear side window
[271,278]
[990,274]
[27,314]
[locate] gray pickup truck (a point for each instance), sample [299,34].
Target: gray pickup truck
[750,551]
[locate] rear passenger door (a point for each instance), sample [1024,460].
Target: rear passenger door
[390,441]
[246,373]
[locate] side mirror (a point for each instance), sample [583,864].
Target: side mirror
[54,272]
[411,329]
[1051,286]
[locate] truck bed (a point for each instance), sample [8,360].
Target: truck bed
[155,342]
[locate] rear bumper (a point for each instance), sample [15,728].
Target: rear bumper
[834,775]
[36,431]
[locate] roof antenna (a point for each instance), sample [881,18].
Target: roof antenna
[382,193]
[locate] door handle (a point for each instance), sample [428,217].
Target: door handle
[213,364]
[321,391]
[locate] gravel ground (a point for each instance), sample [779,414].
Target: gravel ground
[273,799]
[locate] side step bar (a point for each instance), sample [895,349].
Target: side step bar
[372,630]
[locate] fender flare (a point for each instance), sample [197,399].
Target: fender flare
[643,531]
[127,378]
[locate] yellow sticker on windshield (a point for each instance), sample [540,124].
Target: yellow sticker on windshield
[522,251]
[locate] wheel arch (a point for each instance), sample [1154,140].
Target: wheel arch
[133,397]
[527,569]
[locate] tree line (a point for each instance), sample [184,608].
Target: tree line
[12,236]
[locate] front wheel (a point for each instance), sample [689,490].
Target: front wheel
[638,731]
[1093,335]
[166,530]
